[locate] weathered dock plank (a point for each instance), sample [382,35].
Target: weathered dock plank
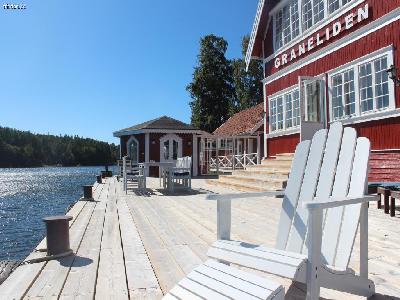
[82,276]
[137,247]
[51,280]
[20,281]
[166,268]
[142,282]
[111,278]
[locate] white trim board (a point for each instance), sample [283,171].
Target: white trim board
[374,116]
[133,132]
[276,134]
[385,20]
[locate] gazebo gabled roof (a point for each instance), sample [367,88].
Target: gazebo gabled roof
[245,122]
[161,124]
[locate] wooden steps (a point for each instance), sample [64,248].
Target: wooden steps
[270,175]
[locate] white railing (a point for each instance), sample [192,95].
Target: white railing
[227,162]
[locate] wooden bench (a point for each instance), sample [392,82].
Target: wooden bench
[214,280]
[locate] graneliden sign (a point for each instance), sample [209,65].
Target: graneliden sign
[330,32]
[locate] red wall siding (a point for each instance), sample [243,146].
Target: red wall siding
[379,39]
[383,134]
[388,35]
[282,144]
[377,9]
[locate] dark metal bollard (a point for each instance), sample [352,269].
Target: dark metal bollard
[57,228]
[99,180]
[88,192]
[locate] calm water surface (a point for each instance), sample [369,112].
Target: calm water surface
[28,195]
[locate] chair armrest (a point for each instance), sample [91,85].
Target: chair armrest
[336,202]
[244,195]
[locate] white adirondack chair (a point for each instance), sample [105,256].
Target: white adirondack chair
[133,174]
[181,173]
[323,206]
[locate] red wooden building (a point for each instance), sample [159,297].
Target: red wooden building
[327,61]
[158,140]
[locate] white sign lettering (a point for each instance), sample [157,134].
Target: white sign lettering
[317,40]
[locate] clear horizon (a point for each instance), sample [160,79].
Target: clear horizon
[91,68]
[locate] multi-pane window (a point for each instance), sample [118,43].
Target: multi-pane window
[285,111]
[374,85]
[287,24]
[272,114]
[366,97]
[381,83]
[318,10]
[313,12]
[300,15]
[333,5]
[343,94]
[361,89]
[279,113]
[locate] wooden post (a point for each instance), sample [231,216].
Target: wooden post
[364,241]
[258,149]
[224,219]
[314,240]
[195,151]
[147,152]
[216,155]
[393,196]
[234,153]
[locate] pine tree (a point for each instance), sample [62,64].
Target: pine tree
[212,89]
[248,85]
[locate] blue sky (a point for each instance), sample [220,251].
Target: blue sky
[92,67]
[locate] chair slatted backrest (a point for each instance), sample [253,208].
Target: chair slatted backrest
[327,166]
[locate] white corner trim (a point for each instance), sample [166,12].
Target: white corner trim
[283,133]
[315,28]
[147,147]
[373,116]
[383,21]
[195,155]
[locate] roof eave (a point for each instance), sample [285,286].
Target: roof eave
[254,33]
[140,131]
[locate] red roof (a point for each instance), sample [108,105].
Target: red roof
[244,122]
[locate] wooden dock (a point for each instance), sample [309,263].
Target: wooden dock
[137,246]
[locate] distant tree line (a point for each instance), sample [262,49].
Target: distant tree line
[25,149]
[222,87]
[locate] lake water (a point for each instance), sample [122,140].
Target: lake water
[28,195]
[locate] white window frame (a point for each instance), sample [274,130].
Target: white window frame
[170,138]
[131,140]
[328,18]
[282,94]
[365,116]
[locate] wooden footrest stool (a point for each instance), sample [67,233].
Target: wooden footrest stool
[214,280]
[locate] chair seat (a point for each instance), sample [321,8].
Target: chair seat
[213,280]
[282,263]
